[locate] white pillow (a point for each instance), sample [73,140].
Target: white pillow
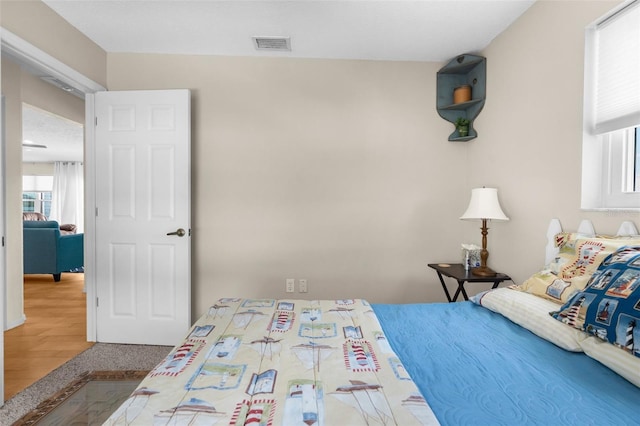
[623,363]
[532,313]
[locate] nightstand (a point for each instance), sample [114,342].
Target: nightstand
[462,276]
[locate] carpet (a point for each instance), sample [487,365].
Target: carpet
[100,357]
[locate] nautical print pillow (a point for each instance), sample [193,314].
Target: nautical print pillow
[609,307]
[570,271]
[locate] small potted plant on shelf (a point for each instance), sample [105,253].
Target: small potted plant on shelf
[462,125]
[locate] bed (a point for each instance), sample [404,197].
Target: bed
[528,354]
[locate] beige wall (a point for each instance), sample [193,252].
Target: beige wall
[48,97]
[335,171]
[531,131]
[36,23]
[20,87]
[37,169]
[340,171]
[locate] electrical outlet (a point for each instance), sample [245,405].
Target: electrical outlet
[302,286]
[291,285]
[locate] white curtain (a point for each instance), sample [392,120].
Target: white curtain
[67,204]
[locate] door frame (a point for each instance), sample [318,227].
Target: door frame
[3,262]
[31,56]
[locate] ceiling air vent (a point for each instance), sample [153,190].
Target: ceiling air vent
[272,43]
[62,85]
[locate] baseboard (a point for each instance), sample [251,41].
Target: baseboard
[16,323]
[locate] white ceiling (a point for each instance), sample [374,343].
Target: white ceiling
[396,30]
[63,138]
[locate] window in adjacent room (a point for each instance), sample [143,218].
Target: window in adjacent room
[36,194]
[611,150]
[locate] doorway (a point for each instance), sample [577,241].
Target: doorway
[29,56]
[52,189]
[52,167]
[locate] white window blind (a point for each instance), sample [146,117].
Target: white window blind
[617,71]
[37,183]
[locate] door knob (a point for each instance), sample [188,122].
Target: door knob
[179,232]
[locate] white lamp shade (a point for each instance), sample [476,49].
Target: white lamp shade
[484,204]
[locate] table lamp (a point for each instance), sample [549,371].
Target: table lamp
[484,205]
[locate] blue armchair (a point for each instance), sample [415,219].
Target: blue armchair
[46,251]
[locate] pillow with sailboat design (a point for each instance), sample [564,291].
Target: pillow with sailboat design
[609,306]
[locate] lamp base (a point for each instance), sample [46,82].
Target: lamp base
[484,271]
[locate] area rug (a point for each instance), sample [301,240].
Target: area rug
[100,357]
[88,400]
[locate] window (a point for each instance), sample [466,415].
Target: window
[36,194]
[611,146]
[39,202]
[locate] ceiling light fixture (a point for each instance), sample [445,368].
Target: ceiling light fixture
[28,144]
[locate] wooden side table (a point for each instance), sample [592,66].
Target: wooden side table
[462,276]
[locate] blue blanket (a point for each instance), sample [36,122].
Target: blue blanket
[475,367]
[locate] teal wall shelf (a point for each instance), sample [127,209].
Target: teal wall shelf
[462,70]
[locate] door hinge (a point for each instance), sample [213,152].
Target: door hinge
[96,121]
[3,241]
[97,302]
[96,212]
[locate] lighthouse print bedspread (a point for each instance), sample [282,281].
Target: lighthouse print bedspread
[280,362]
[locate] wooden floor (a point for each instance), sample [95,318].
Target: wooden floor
[54,332]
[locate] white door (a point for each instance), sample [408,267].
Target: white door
[143,215]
